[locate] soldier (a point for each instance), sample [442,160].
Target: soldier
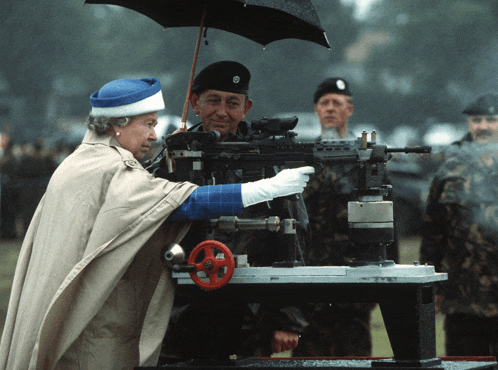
[220,97]
[333,104]
[334,329]
[460,234]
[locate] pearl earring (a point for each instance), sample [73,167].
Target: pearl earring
[118,133]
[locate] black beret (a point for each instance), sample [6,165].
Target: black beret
[223,76]
[332,85]
[484,105]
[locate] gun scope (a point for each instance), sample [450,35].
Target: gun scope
[274,125]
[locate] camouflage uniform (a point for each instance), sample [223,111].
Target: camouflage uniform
[335,329]
[221,321]
[460,237]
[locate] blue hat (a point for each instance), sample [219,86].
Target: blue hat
[127,97]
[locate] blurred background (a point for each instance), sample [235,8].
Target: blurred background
[412,67]
[410,64]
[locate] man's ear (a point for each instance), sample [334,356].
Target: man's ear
[350,109]
[194,102]
[247,106]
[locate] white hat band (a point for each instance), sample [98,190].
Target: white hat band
[152,103]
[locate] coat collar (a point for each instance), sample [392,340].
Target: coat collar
[91,137]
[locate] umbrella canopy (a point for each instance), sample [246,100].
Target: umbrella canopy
[262,21]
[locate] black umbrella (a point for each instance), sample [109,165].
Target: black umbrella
[262,21]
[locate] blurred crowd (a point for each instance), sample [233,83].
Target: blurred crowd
[25,169]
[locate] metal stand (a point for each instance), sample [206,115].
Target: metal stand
[405,294]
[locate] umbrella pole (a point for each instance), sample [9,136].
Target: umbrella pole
[189,91]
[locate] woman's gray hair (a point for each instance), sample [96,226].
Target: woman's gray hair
[101,124]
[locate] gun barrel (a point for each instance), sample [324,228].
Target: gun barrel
[232,223]
[410,149]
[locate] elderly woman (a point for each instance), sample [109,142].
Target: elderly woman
[90,291]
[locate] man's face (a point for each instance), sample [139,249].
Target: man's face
[484,129]
[333,110]
[138,134]
[220,110]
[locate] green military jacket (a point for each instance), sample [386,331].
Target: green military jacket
[460,231]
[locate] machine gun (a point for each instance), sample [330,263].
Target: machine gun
[269,142]
[198,156]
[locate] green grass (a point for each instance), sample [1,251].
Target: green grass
[9,252]
[380,340]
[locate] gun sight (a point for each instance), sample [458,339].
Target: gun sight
[274,126]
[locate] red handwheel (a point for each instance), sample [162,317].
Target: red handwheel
[211,264]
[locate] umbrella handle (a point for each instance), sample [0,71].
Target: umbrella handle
[191,81]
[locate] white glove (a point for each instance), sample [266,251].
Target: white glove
[286,182]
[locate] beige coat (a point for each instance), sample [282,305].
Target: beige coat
[90,291]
